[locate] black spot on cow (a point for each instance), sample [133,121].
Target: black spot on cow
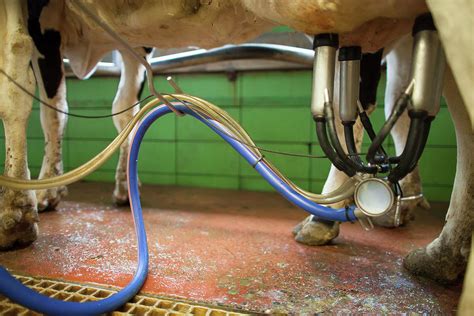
[370,70]
[148,50]
[48,44]
[142,86]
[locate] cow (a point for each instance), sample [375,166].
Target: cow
[368,23]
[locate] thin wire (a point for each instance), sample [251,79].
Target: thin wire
[52,107]
[277,152]
[283,153]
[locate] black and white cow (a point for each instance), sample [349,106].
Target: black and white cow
[369,23]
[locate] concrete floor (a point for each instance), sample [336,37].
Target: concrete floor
[232,248]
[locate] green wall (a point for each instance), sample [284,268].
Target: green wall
[272,106]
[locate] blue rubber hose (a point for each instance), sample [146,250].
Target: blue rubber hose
[17,292]
[322,212]
[13,289]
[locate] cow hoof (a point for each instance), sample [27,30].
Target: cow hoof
[18,224]
[120,200]
[50,198]
[439,267]
[314,232]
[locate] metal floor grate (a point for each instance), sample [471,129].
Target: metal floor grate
[140,305]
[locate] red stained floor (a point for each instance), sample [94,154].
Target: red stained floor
[233,248]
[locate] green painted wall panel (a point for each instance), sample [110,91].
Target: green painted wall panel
[438,166]
[211,87]
[319,168]
[157,178]
[34,126]
[437,193]
[278,88]
[81,151]
[442,131]
[163,129]
[80,128]
[157,156]
[98,92]
[316,185]
[272,106]
[277,124]
[208,181]
[206,158]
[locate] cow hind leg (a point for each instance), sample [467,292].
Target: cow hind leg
[314,231]
[18,213]
[398,72]
[129,90]
[53,124]
[48,67]
[445,258]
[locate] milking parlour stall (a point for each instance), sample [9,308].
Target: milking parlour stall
[231,157]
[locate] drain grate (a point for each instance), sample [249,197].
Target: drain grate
[140,305]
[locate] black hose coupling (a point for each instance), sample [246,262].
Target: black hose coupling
[326,39]
[423,22]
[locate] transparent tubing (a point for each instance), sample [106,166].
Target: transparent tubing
[200,107]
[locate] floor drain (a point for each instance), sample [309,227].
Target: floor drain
[142,304]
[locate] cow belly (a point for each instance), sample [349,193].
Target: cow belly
[169,23]
[150,23]
[369,23]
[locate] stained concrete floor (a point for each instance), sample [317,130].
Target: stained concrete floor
[233,248]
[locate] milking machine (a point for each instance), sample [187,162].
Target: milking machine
[378,191]
[372,184]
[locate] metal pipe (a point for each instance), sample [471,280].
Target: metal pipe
[325,46]
[349,70]
[428,66]
[197,57]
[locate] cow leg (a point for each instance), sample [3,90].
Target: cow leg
[445,258]
[130,87]
[54,124]
[47,63]
[398,74]
[313,231]
[18,213]
[316,232]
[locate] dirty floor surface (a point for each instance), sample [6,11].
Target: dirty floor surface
[232,248]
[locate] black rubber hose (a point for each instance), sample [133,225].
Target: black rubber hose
[321,132]
[368,127]
[352,149]
[350,141]
[398,110]
[424,139]
[414,142]
[425,133]
[329,114]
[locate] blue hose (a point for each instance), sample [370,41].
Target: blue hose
[322,212]
[13,289]
[17,292]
